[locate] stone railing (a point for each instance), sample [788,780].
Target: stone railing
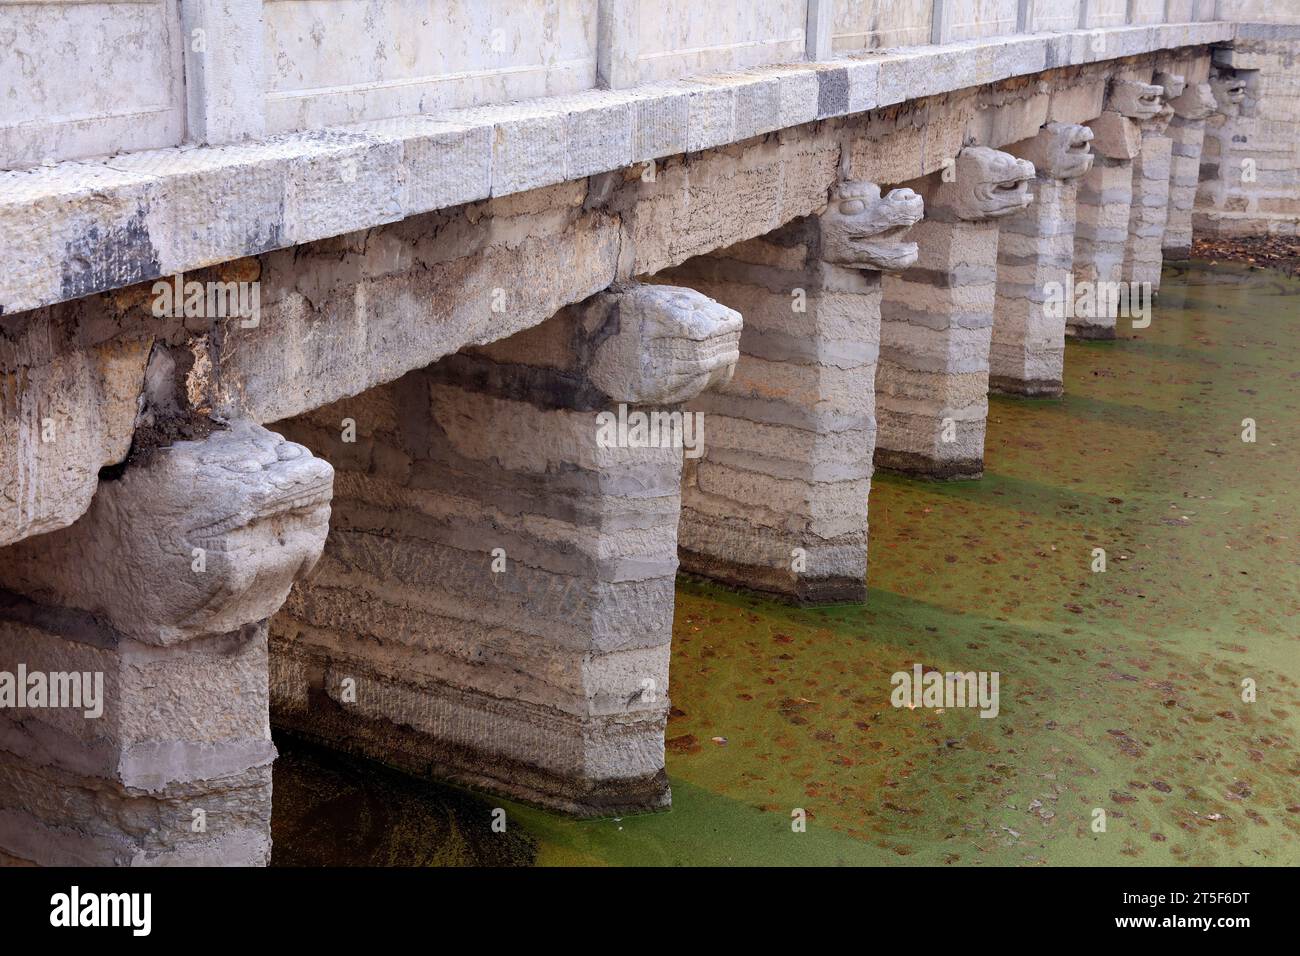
[78,227]
[209,72]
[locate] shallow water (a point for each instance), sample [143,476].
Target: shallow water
[1119,691]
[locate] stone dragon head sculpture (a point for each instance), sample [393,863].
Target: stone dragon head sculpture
[863,230]
[660,344]
[1229,92]
[987,184]
[205,537]
[1195,102]
[1060,151]
[1137,101]
[1171,85]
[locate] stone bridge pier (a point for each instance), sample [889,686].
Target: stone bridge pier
[155,604]
[495,603]
[1223,168]
[1105,204]
[936,325]
[1035,257]
[778,501]
[1149,212]
[1191,109]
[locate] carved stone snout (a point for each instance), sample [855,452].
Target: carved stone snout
[987,184]
[1059,151]
[1229,91]
[1171,85]
[660,344]
[1194,103]
[1138,101]
[863,230]
[204,538]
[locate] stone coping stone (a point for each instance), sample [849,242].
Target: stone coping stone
[85,226]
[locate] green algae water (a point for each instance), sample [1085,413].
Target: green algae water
[1121,691]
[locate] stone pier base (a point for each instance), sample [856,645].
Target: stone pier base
[936,320]
[936,326]
[1035,250]
[1102,223]
[1187,136]
[183,741]
[778,502]
[1104,204]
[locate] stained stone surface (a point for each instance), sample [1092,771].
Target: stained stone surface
[778,502]
[163,587]
[1035,258]
[65,413]
[937,320]
[1187,133]
[539,670]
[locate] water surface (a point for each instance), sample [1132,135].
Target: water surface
[1120,691]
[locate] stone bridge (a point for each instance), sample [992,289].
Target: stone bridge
[367,372]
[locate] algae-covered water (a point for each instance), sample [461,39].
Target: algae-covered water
[1120,691]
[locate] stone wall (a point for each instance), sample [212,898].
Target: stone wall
[1248,183]
[337,61]
[68,89]
[228,71]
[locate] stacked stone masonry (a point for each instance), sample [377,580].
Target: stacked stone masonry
[936,326]
[453,311]
[495,602]
[1035,259]
[778,499]
[1149,214]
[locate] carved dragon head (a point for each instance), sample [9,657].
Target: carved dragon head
[1060,150]
[265,505]
[988,184]
[663,344]
[1195,102]
[205,537]
[1138,101]
[863,230]
[1229,92]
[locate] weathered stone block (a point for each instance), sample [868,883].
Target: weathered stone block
[63,417]
[155,602]
[1104,206]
